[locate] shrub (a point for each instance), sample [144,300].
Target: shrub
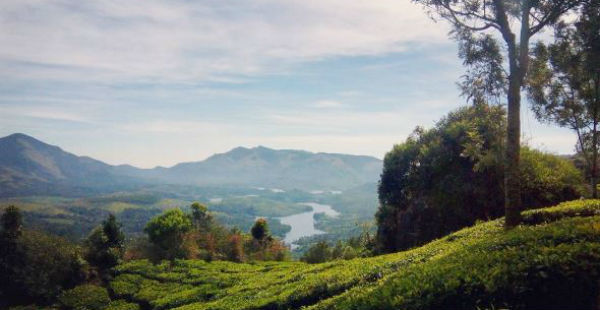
[122,305]
[319,252]
[85,297]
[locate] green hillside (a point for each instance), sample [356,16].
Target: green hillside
[552,261]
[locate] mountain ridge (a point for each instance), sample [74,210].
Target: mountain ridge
[31,166]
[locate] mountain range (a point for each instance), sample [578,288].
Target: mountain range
[31,167]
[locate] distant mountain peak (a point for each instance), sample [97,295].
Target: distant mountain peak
[20,136]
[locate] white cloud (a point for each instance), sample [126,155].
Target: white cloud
[48,113]
[198,40]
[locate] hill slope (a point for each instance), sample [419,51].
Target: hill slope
[550,262]
[31,167]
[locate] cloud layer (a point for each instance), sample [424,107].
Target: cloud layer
[198,40]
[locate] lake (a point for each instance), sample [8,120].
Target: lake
[303,224]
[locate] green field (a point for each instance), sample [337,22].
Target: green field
[552,261]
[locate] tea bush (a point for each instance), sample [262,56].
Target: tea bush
[85,297]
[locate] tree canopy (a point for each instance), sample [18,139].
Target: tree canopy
[260,230]
[446,178]
[167,231]
[106,244]
[564,84]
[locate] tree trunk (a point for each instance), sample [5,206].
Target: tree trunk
[595,140]
[512,184]
[595,160]
[518,59]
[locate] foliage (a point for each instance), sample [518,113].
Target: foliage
[11,253]
[122,305]
[12,223]
[105,245]
[85,297]
[260,230]
[547,179]
[236,252]
[47,265]
[564,83]
[35,267]
[446,178]
[200,216]
[551,262]
[322,251]
[195,235]
[167,231]
[319,252]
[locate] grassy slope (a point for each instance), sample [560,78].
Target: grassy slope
[553,261]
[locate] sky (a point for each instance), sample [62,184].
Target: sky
[149,83]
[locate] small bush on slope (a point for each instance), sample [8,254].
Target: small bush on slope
[552,263]
[85,297]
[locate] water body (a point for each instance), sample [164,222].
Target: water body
[303,224]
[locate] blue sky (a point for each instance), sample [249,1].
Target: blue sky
[151,82]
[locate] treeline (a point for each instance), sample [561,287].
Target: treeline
[37,268]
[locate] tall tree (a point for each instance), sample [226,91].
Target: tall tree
[564,84]
[11,254]
[12,223]
[201,219]
[260,230]
[106,244]
[516,21]
[167,232]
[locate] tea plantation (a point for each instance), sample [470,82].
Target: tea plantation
[552,261]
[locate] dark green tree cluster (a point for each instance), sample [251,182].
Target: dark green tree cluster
[446,178]
[35,267]
[106,245]
[260,229]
